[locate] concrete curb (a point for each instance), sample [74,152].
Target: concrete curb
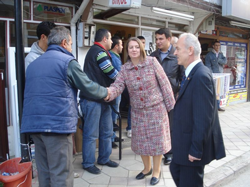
[227,171]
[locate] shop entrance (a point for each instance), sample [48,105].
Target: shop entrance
[4,150]
[123,32]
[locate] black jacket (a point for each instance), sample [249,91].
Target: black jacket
[94,72]
[171,68]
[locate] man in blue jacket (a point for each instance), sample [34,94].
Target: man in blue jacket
[215,60]
[50,107]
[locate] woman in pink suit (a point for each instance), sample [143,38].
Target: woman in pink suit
[151,97]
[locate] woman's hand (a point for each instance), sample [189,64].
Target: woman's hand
[108,96]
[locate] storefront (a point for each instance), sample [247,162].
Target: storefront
[33,13]
[83,22]
[235,46]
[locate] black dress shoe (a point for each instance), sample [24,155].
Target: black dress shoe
[93,170]
[220,109]
[167,159]
[142,176]
[115,127]
[111,164]
[155,180]
[114,146]
[116,139]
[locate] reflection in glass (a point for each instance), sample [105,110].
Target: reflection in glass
[236,64]
[7,9]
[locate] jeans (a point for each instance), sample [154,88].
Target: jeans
[129,119]
[113,137]
[116,107]
[97,124]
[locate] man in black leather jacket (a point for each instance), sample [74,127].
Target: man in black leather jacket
[165,56]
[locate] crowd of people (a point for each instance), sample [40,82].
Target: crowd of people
[172,105]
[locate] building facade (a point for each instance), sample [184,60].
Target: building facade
[124,18]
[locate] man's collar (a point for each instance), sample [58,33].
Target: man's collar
[215,51]
[191,66]
[170,46]
[100,45]
[114,52]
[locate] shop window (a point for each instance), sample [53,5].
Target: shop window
[2,45]
[152,22]
[52,12]
[124,18]
[29,34]
[7,9]
[233,34]
[177,27]
[236,54]
[121,18]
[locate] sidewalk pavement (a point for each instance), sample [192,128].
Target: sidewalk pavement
[235,124]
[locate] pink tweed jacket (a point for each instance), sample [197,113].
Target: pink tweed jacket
[147,84]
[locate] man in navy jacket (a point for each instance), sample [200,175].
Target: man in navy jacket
[196,136]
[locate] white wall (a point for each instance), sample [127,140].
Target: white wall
[82,51]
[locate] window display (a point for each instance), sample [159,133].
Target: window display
[236,54]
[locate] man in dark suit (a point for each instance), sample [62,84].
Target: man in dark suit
[196,136]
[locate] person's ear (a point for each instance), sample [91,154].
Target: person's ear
[104,39]
[191,50]
[64,43]
[43,37]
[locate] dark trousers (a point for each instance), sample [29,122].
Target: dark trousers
[187,176]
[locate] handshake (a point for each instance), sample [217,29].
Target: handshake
[108,96]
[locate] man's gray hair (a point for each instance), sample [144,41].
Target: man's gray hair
[192,41]
[58,34]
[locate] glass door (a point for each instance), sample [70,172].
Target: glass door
[14,128]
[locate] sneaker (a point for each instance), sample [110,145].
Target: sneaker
[76,175]
[129,133]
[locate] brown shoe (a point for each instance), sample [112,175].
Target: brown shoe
[220,109]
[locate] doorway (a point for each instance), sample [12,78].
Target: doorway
[4,149]
[123,32]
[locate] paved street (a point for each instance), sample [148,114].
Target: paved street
[235,124]
[241,179]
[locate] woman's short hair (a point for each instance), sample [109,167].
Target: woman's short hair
[142,51]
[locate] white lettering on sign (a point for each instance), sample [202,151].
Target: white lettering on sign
[125,3]
[119,2]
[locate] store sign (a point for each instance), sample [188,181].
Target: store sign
[238,10]
[235,98]
[52,12]
[50,9]
[125,3]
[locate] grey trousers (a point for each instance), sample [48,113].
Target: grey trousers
[54,157]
